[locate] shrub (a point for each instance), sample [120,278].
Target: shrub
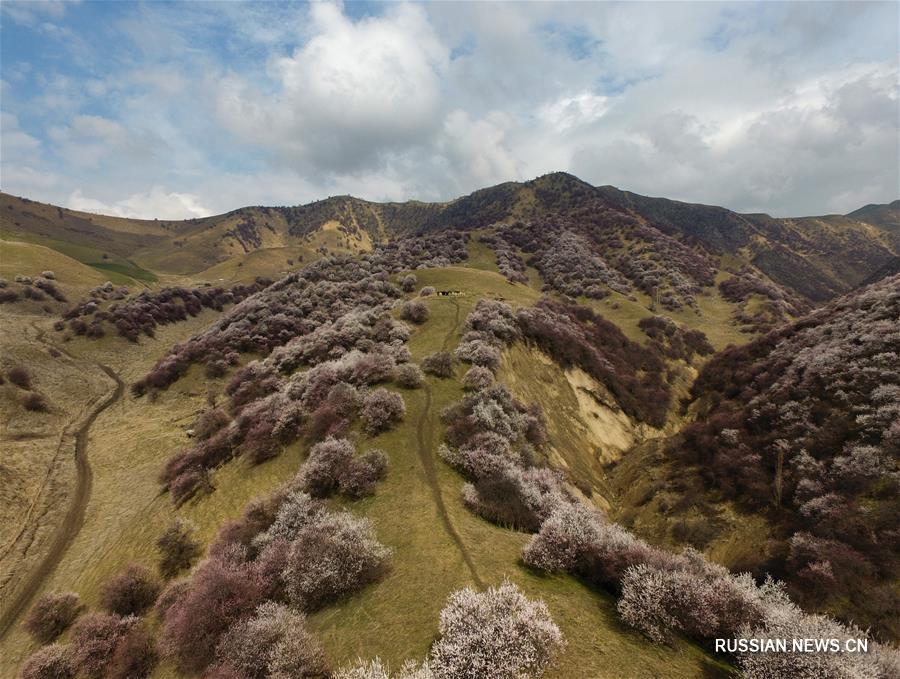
[495,634]
[408,283]
[272,643]
[427,291]
[297,511]
[784,620]
[375,669]
[579,540]
[135,656]
[177,547]
[361,475]
[29,292]
[131,592]
[221,592]
[35,402]
[50,662]
[514,497]
[409,375]
[94,640]
[415,311]
[49,275]
[186,484]
[439,364]
[20,376]
[51,615]
[477,378]
[332,557]
[327,462]
[701,599]
[210,422]
[173,592]
[51,289]
[381,409]
[8,296]
[334,413]
[478,352]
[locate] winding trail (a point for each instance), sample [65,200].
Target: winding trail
[70,525]
[424,437]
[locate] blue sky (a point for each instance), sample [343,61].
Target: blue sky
[173,109]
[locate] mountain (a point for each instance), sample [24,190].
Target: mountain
[338,436]
[885,216]
[817,257]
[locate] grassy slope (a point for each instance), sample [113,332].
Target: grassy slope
[396,618]
[29,259]
[115,268]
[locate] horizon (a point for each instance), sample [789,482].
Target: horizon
[451,200]
[181,110]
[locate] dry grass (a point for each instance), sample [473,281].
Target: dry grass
[396,618]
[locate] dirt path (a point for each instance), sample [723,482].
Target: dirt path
[424,438]
[67,530]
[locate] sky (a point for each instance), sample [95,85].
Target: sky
[177,110]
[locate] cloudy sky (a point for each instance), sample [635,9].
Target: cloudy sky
[184,109]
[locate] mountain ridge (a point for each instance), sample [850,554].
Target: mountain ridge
[818,257]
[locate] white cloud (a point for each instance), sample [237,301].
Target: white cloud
[353,92]
[155,203]
[574,111]
[14,140]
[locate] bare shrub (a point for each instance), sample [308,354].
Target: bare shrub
[20,376]
[177,547]
[495,634]
[186,484]
[427,291]
[415,311]
[35,402]
[409,375]
[381,409]
[439,364]
[50,662]
[335,556]
[52,614]
[131,592]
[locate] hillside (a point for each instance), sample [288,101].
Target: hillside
[349,432]
[815,257]
[885,216]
